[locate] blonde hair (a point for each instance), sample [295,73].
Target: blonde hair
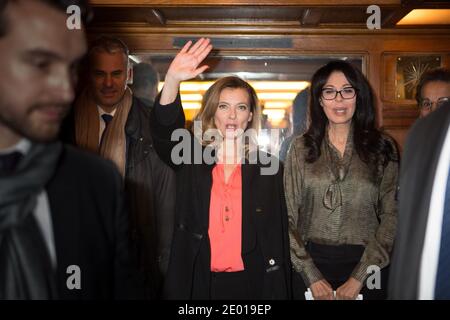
[210,104]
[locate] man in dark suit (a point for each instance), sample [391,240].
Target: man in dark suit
[109,120]
[421,258]
[63,229]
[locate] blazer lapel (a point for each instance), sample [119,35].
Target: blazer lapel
[66,231]
[249,234]
[203,175]
[137,135]
[428,166]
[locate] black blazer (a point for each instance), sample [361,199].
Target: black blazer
[265,244]
[90,228]
[150,199]
[149,196]
[421,156]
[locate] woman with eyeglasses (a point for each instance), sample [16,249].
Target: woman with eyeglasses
[340,181]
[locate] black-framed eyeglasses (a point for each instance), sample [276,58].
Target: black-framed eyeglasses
[427,104]
[331,94]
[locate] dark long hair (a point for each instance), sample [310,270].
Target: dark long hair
[372,147]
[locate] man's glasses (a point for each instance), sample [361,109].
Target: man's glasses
[426,104]
[331,94]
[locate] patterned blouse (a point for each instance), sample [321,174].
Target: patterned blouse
[338,200]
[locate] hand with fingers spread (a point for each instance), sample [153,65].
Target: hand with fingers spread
[322,290]
[185,66]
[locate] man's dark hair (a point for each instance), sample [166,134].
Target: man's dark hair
[86,13]
[438,74]
[144,76]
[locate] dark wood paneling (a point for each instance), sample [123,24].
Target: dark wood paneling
[241,2]
[311,17]
[147,34]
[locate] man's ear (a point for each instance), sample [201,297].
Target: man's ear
[250,117]
[130,75]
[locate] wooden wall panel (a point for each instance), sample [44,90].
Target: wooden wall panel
[241,2]
[395,117]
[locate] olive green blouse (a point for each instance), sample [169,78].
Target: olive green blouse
[338,200]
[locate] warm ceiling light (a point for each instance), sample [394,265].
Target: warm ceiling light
[272,94]
[279,85]
[277,104]
[274,114]
[197,86]
[191,105]
[426,16]
[191,97]
[191,86]
[290,96]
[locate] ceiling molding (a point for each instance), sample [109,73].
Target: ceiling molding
[219,3]
[311,17]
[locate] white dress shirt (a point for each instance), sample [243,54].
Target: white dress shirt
[432,243]
[42,211]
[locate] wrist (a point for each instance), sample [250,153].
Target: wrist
[170,80]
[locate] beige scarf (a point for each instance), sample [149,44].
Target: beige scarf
[87,126]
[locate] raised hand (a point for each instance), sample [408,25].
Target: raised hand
[185,66]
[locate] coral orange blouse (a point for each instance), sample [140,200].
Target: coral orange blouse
[225,220]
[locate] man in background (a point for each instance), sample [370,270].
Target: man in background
[299,121]
[145,83]
[433,90]
[110,121]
